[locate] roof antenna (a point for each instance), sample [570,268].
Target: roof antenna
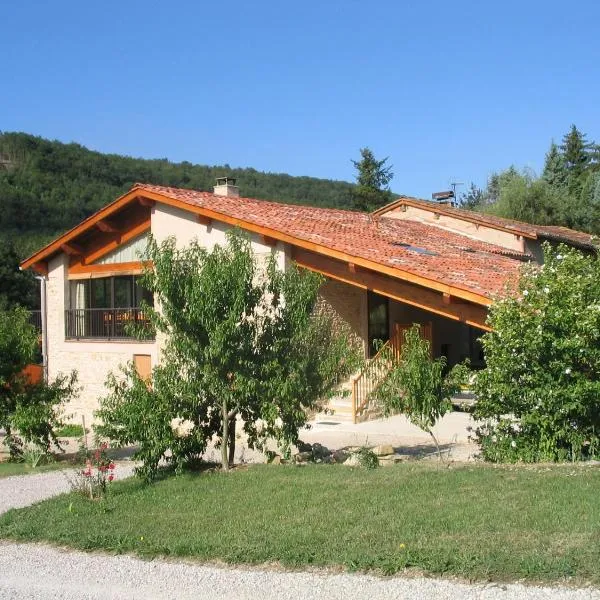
[454,185]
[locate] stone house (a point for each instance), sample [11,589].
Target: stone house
[411,261]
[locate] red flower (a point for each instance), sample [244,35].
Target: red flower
[111,466]
[111,477]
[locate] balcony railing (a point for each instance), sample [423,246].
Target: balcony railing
[107,324]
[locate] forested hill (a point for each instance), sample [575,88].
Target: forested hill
[47,187]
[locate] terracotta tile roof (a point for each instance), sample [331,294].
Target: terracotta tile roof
[410,246]
[551,232]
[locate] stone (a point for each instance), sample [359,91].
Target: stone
[276,460]
[320,451]
[340,456]
[352,461]
[303,446]
[301,457]
[384,450]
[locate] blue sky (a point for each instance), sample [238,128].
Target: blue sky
[445,89]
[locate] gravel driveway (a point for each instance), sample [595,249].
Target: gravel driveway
[41,572]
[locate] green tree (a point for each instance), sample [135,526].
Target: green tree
[373,178]
[16,287]
[28,412]
[240,341]
[473,199]
[416,385]
[577,152]
[523,197]
[555,169]
[539,396]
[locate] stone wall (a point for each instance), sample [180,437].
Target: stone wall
[347,305]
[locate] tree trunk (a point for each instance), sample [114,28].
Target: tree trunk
[232,441]
[225,437]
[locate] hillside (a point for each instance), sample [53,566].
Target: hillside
[47,187]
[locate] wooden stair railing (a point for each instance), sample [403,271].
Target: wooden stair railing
[367,381]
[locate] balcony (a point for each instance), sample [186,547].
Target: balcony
[107,324]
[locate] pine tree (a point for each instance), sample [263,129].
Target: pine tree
[555,170]
[372,191]
[577,152]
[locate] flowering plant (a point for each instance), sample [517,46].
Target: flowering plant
[539,396]
[99,471]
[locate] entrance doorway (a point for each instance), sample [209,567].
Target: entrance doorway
[379,322]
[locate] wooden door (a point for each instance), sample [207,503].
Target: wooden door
[425,329]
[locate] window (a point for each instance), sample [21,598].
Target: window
[106,308]
[379,322]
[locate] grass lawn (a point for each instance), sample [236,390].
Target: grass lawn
[475,522]
[9,468]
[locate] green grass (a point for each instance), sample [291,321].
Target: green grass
[7,469]
[474,522]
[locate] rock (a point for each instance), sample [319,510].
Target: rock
[383,450]
[320,451]
[276,460]
[303,446]
[352,461]
[302,457]
[340,456]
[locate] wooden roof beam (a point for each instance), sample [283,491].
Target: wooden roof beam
[148,202]
[204,220]
[107,227]
[72,249]
[267,240]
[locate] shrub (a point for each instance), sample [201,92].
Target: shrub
[29,412]
[367,458]
[539,396]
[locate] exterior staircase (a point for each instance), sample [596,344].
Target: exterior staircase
[354,402]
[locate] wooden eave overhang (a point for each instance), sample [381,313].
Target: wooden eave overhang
[39,259]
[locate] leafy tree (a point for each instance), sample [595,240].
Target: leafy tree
[416,385]
[240,341]
[539,396]
[30,410]
[16,287]
[523,197]
[373,178]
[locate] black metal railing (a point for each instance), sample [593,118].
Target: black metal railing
[35,319]
[107,324]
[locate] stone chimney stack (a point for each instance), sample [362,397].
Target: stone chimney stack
[226,187]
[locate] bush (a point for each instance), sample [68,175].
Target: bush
[29,412]
[539,396]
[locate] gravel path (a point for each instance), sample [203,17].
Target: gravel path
[39,572]
[23,490]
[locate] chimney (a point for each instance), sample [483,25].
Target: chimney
[446,198]
[226,187]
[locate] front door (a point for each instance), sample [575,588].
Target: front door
[379,321]
[425,329]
